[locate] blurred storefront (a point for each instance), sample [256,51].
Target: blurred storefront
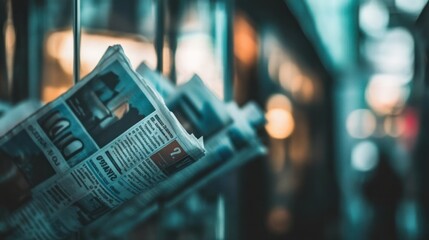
[342,85]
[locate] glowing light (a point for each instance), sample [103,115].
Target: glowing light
[195,55]
[275,54]
[308,90]
[364,156]
[373,17]
[393,53]
[361,123]
[385,94]
[280,123]
[59,45]
[245,44]
[414,6]
[411,124]
[290,76]
[394,126]
[279,220]
[49,93]
[279,101]
[274,62]
[10,41]
[166,61]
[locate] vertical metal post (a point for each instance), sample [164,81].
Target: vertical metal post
[227,51]
[36,34]
[220,218]
[76,40]
[76,56]
[226,199]
[159,35]
[20,17]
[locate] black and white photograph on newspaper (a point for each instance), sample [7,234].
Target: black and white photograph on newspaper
[110,104]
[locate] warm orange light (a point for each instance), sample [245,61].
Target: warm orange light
[290,76]
[50,92]
[279,220]
[279,101]
[10,41]
[308,90]
[280,123]
[245,43]
[59,45]
[166,61]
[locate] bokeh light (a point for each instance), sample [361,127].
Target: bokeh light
[279,220]
[413,6]
[59,45]
[279,101]
[373,17]
[364,156]
[394,126]
[385,94]
[280,122]
[361,123]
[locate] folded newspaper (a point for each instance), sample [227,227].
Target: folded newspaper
[107,139]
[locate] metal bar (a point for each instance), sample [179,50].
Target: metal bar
[76,40]
[76,58]
[37,30]
[220,218]
[20,17]
[159,35]
[227,49]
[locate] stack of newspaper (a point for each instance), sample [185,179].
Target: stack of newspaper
[104,141]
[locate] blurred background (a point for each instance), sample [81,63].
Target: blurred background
[342,84]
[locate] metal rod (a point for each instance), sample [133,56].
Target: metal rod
[159,36]
[76,40]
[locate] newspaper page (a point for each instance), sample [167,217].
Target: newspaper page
[107,139]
